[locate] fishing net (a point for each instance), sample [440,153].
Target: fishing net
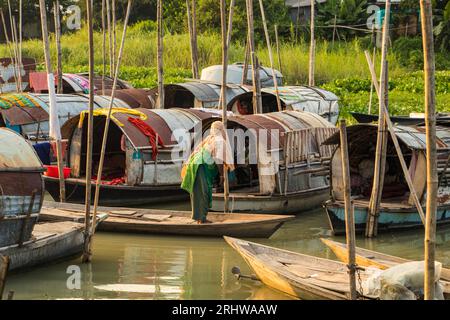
[402,282]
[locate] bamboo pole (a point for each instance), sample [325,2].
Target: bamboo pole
[160,48]
[257,102]
[396,143]
[103,45]
[15,48]
[312,48]
[4,265]
[55,132]
[108,120]
[278,49]
[349,214]
[114,31]
[223,8]
[194,33]
[9,48]
[87,254]
[18,62]
[230,23]
[246,59]
[193,40]
[369,111]
[110,36]
[20,39]
[380,155]
[58,46]
[426,14]
[269,48]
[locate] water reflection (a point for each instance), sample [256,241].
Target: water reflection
[157,267]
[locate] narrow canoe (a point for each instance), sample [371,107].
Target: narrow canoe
[369,258]
[298,275]
[149,221]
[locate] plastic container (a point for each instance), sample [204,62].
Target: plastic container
[52,171]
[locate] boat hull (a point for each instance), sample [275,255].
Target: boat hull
[292,203]
[50,249]
[119,195]
[387,220]
[12,228]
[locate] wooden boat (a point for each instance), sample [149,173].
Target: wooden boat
[397,208]
[298,275]
[21,188]
[401,120]
[150,221]
[369,258]
[133,175]
[292,173]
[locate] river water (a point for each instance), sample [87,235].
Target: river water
[127,266]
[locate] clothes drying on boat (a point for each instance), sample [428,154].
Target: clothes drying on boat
[43,151]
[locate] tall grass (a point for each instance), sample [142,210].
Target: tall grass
[343,60]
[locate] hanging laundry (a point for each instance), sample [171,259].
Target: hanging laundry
[154,138]
[104,112]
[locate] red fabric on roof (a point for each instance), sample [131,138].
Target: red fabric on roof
[38,81]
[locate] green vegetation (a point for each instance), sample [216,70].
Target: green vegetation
[341,69]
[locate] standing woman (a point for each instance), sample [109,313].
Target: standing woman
[202,167]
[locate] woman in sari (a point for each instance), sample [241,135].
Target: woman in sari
[203,166]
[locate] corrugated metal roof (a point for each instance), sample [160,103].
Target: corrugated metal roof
[412,136]
[15,152]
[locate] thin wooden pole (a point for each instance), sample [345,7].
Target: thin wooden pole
[380,155]
[312,48]
[9,48]
[114,31]
[369,111]
[257,101]
[16,46]
[396,143]
[223,9]
[349,214]
[160,48]
[269,48]
[87,254]
[20,40]
[108,120]
[4,265]
[426,14]
[58,46]
[55,131]
[13,38]
[280,67]
[230,23]
[193,40]
[110,36]
[194,34]
[246,60]
[103,45]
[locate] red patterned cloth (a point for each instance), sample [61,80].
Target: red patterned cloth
[154,138]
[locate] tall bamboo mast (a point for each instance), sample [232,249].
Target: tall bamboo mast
[114,31]
[380,155]
[278,49]
[349,212]
[103,45]
[20,37]
[230,23]
[110,36]
[312,47]
[87,254]
[108,120]
[426,14]
[58,45]
[15,48]
[55,131]
[8,43]
[192,22]
[160,48]
[257,101]
[269,48]
[223,22]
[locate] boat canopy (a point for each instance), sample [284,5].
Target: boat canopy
[163,122]
[198,94]
[235,72]
[15,152]
[134,98]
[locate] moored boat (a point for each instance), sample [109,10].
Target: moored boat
[291,173]
[150,221]
[301,276]
[397,209]
[21,188]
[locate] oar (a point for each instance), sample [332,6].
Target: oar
[237,273]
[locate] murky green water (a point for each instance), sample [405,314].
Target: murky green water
[193,268]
